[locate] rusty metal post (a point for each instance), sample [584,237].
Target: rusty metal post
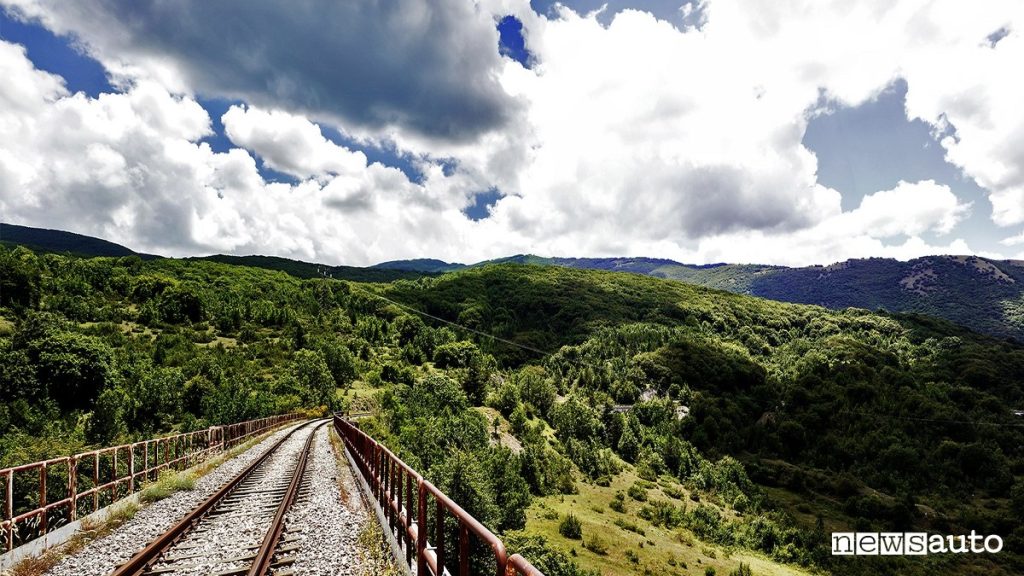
[145,461]
[115,478]
[391,494]
[42,498]
[95,481]
[439,536]
[73,486]
[9,509]
[464,550]
[421,532]
[130,466]
[409,544]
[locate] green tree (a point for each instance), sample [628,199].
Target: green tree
[314,378]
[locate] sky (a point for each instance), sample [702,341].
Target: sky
[790,132]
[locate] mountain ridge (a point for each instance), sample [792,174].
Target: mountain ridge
[983,294]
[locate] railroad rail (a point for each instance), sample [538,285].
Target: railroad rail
[218,535]
[43,496]
[422,519]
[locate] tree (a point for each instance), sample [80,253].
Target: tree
[629,441]
[107,421]
[314,378]
[455,354]
[536,388]
[73,368]
[340,362]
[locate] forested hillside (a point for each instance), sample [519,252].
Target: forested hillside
[616,422]
[984,295]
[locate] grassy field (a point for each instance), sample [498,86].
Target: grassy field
[656,551]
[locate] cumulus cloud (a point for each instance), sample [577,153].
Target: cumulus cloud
[429,68]
[131,167]
[628,136]
[289,144]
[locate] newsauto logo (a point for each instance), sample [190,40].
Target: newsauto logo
[911,544]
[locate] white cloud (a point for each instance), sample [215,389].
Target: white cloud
[886,224]
[130,167]
[628,137]
[289,143]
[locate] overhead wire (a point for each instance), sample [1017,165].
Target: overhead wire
[597,367]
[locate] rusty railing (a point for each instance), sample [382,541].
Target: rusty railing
[420,516]
[43,496]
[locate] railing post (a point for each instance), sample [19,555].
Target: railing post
[464,549]
[42,498]
[9,510]
[131,468]
[439,536]
[409,544]
[421,531]
[73,486]
[95,481]
[114,478]
[391,494]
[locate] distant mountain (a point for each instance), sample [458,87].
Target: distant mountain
[429,265]
[637,265]
[43,240]
[311,270]
[982,294]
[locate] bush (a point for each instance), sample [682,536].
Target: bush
[625,525]
[570,527]
[741,570]
[638,493]
[596,545]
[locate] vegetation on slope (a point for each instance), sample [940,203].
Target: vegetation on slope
[721,428]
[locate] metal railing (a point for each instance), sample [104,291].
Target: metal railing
[401,493]
[43,496]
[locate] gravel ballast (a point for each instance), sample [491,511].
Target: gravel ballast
[329,523]
[100,557]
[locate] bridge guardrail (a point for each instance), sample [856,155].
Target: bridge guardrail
[34,504]
[394,484]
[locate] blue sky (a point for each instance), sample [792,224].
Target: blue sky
[598,131]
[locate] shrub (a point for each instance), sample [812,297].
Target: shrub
[626,525]
[596,545]
[637,492]
[570,527]
[741,570]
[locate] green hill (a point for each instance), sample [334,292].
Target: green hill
[682,427]
[58,241]
[301,269]
[984,295]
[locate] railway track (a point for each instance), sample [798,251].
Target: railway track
[239,530]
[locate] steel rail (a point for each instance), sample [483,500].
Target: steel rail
[265,555]
[142,560]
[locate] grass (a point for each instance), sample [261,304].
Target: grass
[374,551]
[36,566]
[338,446]
[629,545]
[167,484]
